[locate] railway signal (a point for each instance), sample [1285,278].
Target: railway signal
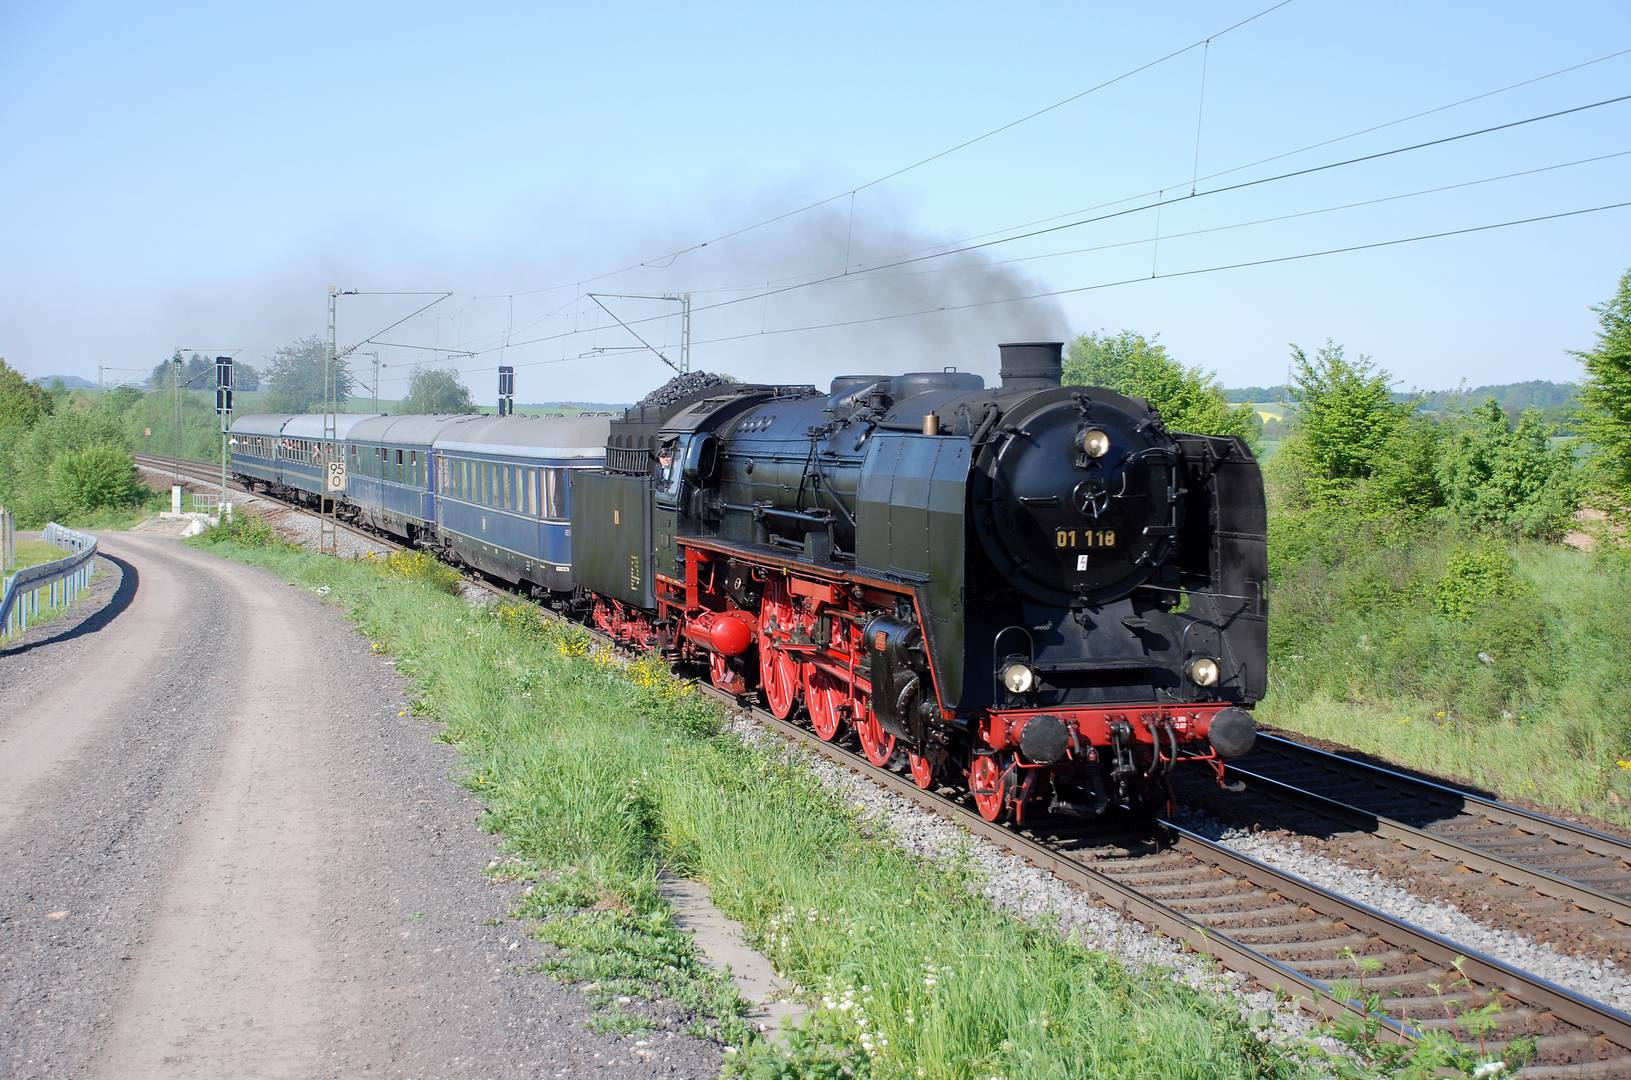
[223,408]
[506,390]
[223,390]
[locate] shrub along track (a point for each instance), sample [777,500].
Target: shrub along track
[1335,956]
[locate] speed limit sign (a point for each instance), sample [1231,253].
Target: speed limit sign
[336,476]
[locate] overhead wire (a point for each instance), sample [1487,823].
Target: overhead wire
[763,290]
[670,256]
[1279,156]
[1224,189]
[759,291]
[1143,278]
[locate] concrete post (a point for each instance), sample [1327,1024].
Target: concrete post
[175,499]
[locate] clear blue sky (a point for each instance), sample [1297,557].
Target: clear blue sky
[198,175]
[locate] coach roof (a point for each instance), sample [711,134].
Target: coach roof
[310,425]
[419,429]
[530,437]
[261,423]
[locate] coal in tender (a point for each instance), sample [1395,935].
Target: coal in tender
[680,387]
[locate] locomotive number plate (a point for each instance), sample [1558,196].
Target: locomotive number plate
[1067,539]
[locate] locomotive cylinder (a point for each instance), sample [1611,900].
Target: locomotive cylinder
[728,633]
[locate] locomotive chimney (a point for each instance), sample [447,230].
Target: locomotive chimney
[1032,365]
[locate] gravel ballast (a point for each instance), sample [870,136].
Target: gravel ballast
[1595,978]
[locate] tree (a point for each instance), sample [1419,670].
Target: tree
[294,377]
[1605,399]
[1508,479]
[1187,398]
[245,377]
[1346,415]
[437,390]
[197,373]
[21,402]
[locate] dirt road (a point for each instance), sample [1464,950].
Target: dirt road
[223,853]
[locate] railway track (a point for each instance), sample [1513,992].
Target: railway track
[1280,930]
[1568,870]
[1288,933]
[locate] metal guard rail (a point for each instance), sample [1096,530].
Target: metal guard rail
[63,578]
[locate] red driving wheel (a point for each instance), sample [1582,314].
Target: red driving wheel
[922,770]
[986,785]
[778,671]
[824,697]
[877,744]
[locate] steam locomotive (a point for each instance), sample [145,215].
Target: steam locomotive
[1036,591]
[1033,590]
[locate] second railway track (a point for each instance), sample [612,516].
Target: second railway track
[1570,864]
[1278,929]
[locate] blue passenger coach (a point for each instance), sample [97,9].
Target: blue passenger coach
[391,474]
[254,446]
[300,452]
[502,485]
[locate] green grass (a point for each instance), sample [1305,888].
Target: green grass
[1503,664]
[599,777]
[32,553]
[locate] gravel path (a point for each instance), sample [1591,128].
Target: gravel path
[224,853]
[1594,977]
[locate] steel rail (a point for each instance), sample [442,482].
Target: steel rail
[1597,1026]
[1457,852]
[1463,805]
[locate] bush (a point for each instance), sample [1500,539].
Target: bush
[246,530]
[1472,579]
[36,491]
[1508,479]
[100,477]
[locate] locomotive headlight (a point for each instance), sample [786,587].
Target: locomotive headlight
[1018,678]
[1203,671]
[1094,443]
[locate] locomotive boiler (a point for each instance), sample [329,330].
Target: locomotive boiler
[1033,590]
